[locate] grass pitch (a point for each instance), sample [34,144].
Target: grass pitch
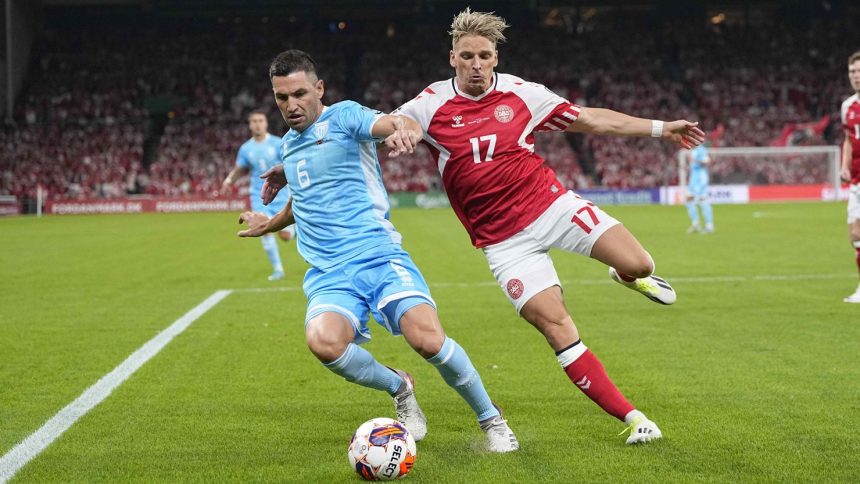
[751,375]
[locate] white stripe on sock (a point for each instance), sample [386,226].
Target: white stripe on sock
[568,356]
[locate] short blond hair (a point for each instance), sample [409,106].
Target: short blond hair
[484,24]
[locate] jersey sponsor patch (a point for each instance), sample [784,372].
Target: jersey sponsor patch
[515,288]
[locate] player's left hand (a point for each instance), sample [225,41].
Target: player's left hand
[402,140]
[275,181]
[683,133]
[256,224]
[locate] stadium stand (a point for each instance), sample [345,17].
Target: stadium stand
[85,126]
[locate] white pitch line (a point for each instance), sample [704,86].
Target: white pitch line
[674,280]
[39,440]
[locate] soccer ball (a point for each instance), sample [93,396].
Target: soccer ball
[381,449]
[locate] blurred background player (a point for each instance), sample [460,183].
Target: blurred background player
[850,171]
[697,190]
[255,157]
[358,265]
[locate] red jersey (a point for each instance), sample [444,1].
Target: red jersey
[851,125]
[484,149]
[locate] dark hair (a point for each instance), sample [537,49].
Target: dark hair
[854,57]
[260,112]
[290,61]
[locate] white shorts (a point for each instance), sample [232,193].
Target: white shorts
[853,204]
[521,264]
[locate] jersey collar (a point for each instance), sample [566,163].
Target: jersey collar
[476,98]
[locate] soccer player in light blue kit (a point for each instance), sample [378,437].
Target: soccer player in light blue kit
[697,190]
[358,267]
[255,157]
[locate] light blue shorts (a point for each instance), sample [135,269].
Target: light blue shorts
[384,282]
[271,209]
[698,186]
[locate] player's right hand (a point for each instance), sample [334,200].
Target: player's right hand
[683,133]
[275,181]
[256,224]
[403,140]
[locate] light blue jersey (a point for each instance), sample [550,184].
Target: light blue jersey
[257,157]
[699,178]
[341,211]
[339,202]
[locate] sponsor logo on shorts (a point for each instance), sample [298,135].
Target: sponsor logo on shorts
[503,113]
[515,288]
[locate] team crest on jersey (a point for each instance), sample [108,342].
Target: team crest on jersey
[503,113]
[320,130]
[515,288]
[458,121]
[851,115]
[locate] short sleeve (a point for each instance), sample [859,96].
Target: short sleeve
[358,120]
[242,160]
[554,112]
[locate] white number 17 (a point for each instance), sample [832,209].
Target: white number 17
[476,147]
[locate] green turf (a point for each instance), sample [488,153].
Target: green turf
[751,377]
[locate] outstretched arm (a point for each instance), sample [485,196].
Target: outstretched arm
[683,133]
[231,177]
[259,224]
[401,133]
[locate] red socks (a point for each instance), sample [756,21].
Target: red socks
[588,374]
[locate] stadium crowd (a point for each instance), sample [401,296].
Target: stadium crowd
[83,121]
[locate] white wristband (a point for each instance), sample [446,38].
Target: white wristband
[656,128]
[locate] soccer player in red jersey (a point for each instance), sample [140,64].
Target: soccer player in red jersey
[480,128]
[851,160]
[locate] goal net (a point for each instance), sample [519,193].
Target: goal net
[785,172]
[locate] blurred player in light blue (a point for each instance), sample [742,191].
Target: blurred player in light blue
[358,266]
[697,190]
[255,157]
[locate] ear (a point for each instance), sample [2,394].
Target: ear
[320,88]
[451,59]
[496,62]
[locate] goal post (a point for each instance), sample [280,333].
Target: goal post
[815,167]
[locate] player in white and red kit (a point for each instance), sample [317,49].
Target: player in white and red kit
[480,128]
[851,160]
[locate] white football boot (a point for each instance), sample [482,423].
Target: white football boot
[652,287]
[854,298]
[500,437]
[408,411]
[642,430]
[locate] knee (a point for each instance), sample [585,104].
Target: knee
[855,234]
[285,236]
[641,266]
[327,347]
[552,323]
[428,343]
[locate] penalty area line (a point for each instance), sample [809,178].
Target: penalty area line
[39,440]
